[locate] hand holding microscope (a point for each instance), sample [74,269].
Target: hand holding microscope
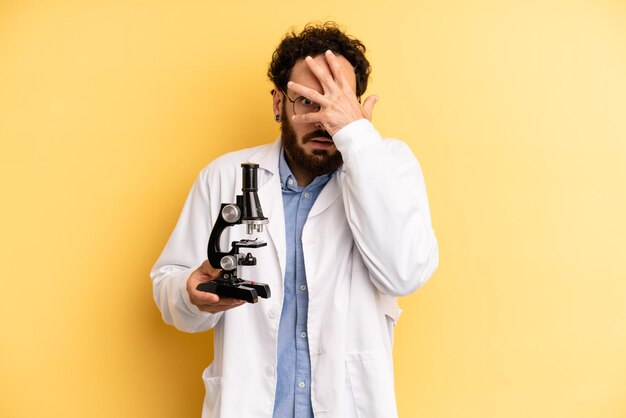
[247,210]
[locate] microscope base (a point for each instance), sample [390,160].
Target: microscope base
[243,289]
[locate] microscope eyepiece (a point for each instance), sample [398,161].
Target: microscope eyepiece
[252,212]
[249,182]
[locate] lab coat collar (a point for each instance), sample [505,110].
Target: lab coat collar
[329,194]
[267,159]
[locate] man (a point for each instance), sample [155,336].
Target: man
[349,230]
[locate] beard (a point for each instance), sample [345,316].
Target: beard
[320,162]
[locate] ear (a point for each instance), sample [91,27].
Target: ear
[277,101]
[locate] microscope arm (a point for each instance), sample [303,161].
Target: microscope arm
[214,254]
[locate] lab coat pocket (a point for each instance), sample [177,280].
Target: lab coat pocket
[370,375]
[392,313]
[213,391]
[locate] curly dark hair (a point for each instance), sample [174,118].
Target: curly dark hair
[315,39]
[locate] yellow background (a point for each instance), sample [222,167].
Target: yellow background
[516,110]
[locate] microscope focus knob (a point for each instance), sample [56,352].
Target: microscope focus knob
[228,262]
[231,213]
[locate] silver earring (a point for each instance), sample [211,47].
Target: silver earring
[277,117]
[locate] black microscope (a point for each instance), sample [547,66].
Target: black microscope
[246,211]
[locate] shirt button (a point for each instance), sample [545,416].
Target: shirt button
[303,287]
[301,385]
[303,334]
[290,182]
[307,195]
[269,371]
[273,313]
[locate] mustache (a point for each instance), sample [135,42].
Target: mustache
[320,133]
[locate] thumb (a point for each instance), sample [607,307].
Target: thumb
[208,271]
[368,106]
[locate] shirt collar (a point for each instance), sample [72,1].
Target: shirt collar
[287,180]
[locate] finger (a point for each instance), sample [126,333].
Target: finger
[312,117]
[307,92]
[338,76]
[368,106]
[226,308]
[230,301]
[322,74]
[217,309]
[223,304]
[209,270]
[207,299]
[204,298]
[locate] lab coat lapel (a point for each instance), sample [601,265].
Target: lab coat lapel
[329,194]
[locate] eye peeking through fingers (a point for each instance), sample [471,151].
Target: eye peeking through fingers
[303,105]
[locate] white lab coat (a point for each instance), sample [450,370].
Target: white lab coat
[368,239]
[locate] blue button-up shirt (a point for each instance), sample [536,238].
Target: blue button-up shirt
[293,387]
